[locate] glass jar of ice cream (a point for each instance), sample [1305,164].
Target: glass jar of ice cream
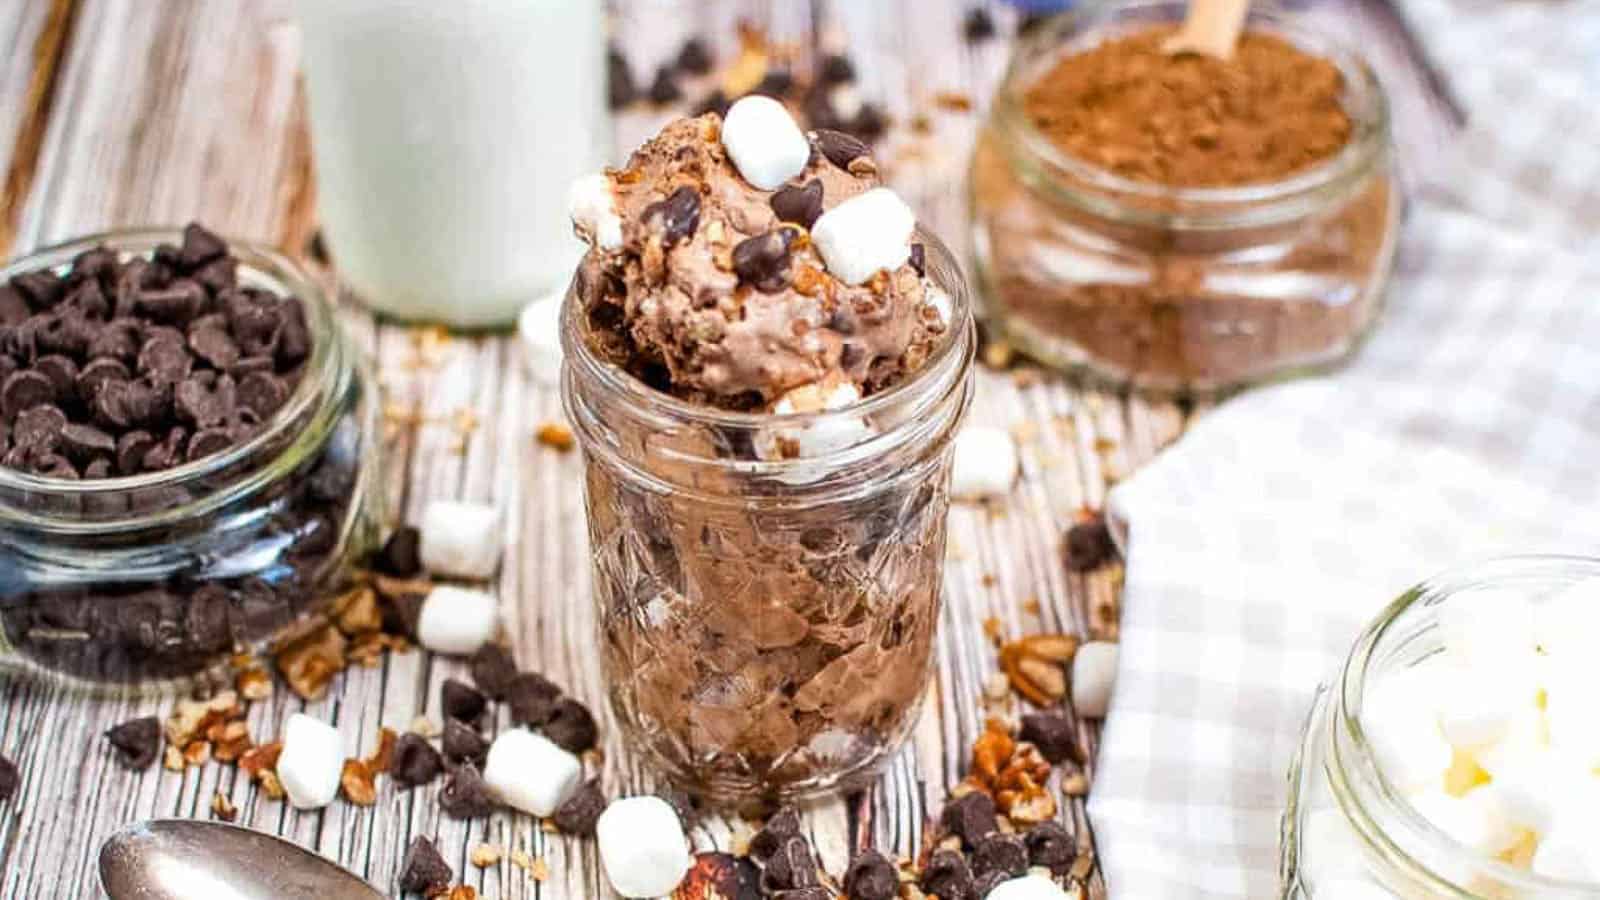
[1455,753]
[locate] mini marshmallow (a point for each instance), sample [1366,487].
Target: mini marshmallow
[1332,848]
[539,328]
[985,463]
[1527,737]
[456,621]
[1094,673]
[764,142]
[311,762]
[529,772]
[593,208]
[1487,626]
[1400,719]
[864,235]
[1570,852]
[642,846]
[460,539]
[1477,705]
[1478,820]
[821,437]
[1028,887]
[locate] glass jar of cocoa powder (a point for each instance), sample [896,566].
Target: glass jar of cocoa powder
[1178,224]
[766,619]
[111,579]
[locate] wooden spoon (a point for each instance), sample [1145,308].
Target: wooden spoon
[1211,27]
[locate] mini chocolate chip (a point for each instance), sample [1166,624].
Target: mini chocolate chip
[131,449]
[1000,853]
[790,866]
[415,761]
[715,102]
[166,256]
[1054,734]
[400,557]
[532,698]
[694,58]
[463,743]
[776,83]
[679,214]
[199,247]
[212,343]
[99,467]
[801,204]
[89,299]
[96,264]
[665,88]
[1050,845]
[620,88]
[579,813]
[262,393]
[464,795]
[840,148]
[978,25]
[871,877]
[13,309]
[947,875]
[763,260]
[61,371]
[84,443]
[294,338]
[174,304]
[218,275]
[424,871]
[571,726]
[10,778]
[836,69]
[207,441]
[24,389]
[168,452]
[206,399]
[118,340]
[125,404]
[462,701]
[970,817]
[39,428]
[42,288]
[919,259]
[1089,545]
[870,123]
[164,360]
[137,742]
[784,823]
[54,465]
[255,319]
[207,617]
[66,332]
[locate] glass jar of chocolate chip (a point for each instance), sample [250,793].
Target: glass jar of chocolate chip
[187,459]
[1178,222]
[766,383]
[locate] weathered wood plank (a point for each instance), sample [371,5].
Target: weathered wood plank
[35,36]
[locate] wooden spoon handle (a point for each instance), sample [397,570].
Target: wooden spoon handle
[1211,27]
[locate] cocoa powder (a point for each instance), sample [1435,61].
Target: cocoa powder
[1188,120]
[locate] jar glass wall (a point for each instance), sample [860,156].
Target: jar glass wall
[767,618]
[1178,288]
[1348,829]
[163,575]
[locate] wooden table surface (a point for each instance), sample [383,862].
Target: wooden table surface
[121,112]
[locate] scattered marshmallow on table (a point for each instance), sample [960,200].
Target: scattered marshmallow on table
[593,208]
[311,762]
[985,463]
[642,846]
[1028,887]
[460,538]
[456,621]
[539,329]
[864,235]
[529,772]
[764,142]
[1094,673]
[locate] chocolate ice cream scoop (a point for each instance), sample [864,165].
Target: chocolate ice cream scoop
[716,292]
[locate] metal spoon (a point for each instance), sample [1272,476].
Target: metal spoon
[182,859]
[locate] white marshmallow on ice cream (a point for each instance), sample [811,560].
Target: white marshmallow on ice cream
[642,846]
[460,538]
[457,621]
[765,144]
[864,235]
[311,762]
[529,772]
[985,463]
[593,208]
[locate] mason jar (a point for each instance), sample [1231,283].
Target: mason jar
[1348,833]
[161,576]
[766,620]
[1178,289]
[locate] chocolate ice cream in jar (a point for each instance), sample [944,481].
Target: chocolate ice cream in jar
[766,364]
[1177,222]
[187,456]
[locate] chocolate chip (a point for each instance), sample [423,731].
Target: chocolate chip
[763,260]
[532,698]
[10,779]
[970,817]
[167,452]
[800,204]
[131,450]
[694,58]
[1000,853]
[62,372]
[836,69]
[947,875]
[814,892]
[840,148]
[89,299]
[262,393]
[776,83]
[424,871]
[463,743]
[1089,545]
[1050,845]
[164,360]
[24,389]
[682,803]
[464,795]
[66,332]
[255,320]
[462,701]
[919,259]
[207,618]
[790,866]
[96,372]
[174,304]
[784,823]
[39,428]
[117,340]
[870,123]
[665,88]
[294,338]
[41,288]
[415,761]
[1054,734]
[978,25]
[85,443]
[715,102]
[206,399]
[620,89]
[399,558]
[54,465]
[218,275]
[125,404]
[97,264]
[679,215]
[13,308]
[137,742]
[207,441]
[579,813]
[209,339]
[199,247]
[100,467]
[871,877]
[571,726]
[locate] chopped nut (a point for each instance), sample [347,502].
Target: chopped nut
[992,629]
[172,759]
[539,869]
[401,587]
[463,892]
[955,101]
[270,785]
[485,855]
[1046,678]
[991,751]
[229,741]
[356,611]
[1033,665]
[254,684]
[309,663]
[1082,866]
[261,759]
[356,783]
[197,753]
[1057,648]
[382,757]
[1075,785]
[998,354]
[996,688]
[222,807]
[556,435]
[192,717]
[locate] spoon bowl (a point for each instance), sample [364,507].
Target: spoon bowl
[183,859]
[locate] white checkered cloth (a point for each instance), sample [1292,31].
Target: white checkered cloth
[1468,426]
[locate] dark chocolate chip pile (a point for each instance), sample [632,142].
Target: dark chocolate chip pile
[116,367]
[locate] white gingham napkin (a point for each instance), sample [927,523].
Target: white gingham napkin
[1469,425]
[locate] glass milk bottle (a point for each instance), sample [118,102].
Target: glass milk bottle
[445,135]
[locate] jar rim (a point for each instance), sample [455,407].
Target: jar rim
[1231,206]
[328,356]
[1387,799]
